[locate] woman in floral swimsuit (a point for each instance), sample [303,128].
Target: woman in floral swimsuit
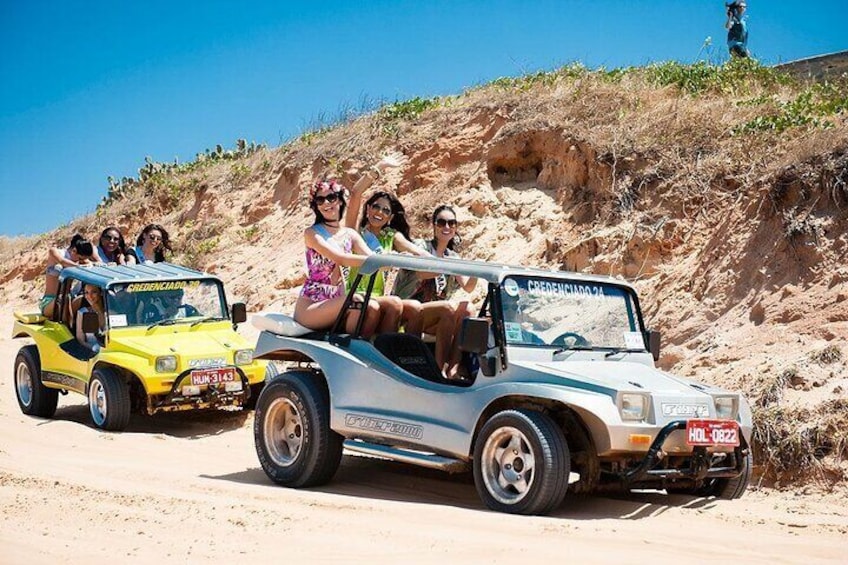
[330,247]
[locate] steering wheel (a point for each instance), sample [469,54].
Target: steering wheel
[188,310]
[579,340]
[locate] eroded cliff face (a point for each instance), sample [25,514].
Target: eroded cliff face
[737,242]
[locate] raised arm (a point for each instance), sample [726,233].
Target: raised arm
[354,206]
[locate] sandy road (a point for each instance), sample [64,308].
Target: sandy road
[188,488]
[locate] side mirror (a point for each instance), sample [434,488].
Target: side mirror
[652,337]
[239,314]
[90,322]
[474,335]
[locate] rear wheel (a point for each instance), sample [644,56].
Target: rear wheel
[34,398]
[521,463]
[294,441]
[108,400]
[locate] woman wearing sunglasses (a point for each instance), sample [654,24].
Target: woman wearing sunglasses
[385,229]
[330,248]
[427,288]
[151,245]
[111,247]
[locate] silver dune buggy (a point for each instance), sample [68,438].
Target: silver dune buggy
[563,396]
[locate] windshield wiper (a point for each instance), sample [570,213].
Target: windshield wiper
[617,350]
[573,348]
[208,319]
[167,322]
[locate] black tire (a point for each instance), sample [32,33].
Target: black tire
[294,441]
[34,399]
[109,400]
[530,435]
[729,489]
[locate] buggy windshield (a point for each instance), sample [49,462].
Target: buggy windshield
[541,311]
[147,303]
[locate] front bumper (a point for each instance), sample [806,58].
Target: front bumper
[214,395]
[700,466]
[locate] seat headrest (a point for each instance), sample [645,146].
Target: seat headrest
[279,324]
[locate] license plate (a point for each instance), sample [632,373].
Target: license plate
[202,377]
[712,432]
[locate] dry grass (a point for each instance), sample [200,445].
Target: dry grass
[793,443]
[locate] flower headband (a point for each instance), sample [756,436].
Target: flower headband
[331,184]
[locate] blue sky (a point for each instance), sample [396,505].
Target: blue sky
[90,88]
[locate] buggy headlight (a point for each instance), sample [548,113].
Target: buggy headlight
[244,357]
[166,364]
[633,406]
[727,407]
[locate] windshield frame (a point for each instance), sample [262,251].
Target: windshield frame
[494,301]
[113,286]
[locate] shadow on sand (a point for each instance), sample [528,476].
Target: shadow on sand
[364,477]
[187,425]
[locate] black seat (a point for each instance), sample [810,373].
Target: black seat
[411,354]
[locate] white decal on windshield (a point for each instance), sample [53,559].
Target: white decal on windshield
[564,289]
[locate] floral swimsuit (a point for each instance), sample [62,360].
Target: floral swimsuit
[319,285]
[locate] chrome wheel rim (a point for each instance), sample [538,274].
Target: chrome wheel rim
[23,383]
[508,465]
[283,432]
[97,402]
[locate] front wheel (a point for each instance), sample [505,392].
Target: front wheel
[34,399]
[294,442]
[732,488]
[108,400]
[521,463]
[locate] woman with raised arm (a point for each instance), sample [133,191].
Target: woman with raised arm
[330,246]
[430,287]
[79,252]
[385,229]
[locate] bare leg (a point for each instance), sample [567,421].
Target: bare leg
[463,310]
[391,309]
[412,317]
[372,319]
[322,315]
[438,319]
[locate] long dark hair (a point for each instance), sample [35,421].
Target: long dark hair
[334,186]
[398,221]
[166,241]
[454,242]
[82,246]
[122,246]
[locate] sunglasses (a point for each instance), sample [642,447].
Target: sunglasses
[330,198]
[442,222]
[111,238]
[152,237]
[377,208]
